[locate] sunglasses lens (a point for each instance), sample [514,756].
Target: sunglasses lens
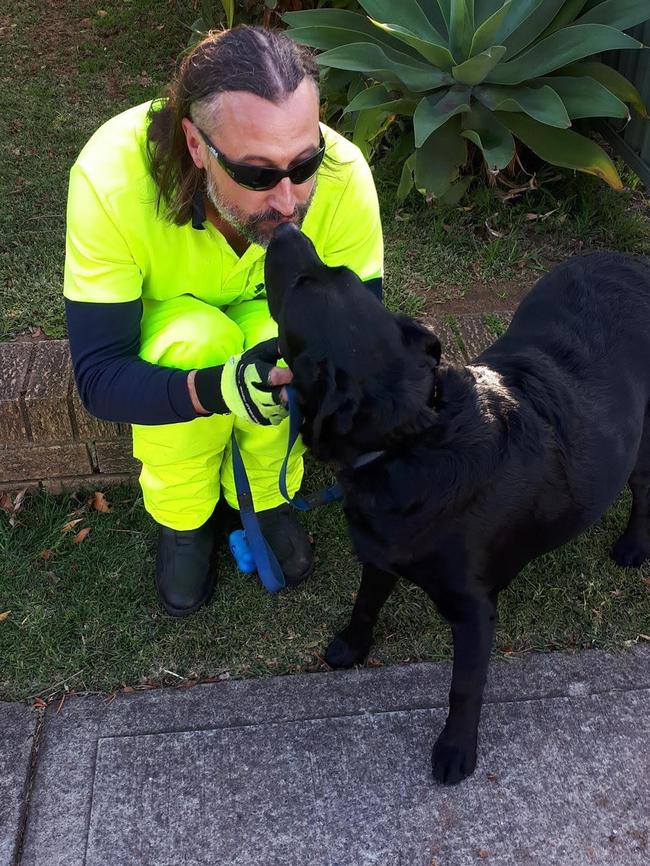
[306,169]
[262,178]
[255,177]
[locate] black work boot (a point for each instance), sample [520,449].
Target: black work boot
[185,572]
[289,542]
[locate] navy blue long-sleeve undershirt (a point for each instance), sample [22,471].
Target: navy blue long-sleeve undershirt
[115,384]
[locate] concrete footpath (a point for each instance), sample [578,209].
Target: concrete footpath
[333,769]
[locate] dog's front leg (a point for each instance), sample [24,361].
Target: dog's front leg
[350,646]
[454,754]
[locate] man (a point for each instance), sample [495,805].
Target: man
[170,208]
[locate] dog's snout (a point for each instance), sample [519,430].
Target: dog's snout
[285,232]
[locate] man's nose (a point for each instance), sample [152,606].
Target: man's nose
[283,198]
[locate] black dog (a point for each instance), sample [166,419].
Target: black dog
[480,468]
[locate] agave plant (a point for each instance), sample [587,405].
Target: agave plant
[481,71]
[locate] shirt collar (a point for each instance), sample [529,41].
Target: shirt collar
[198,211]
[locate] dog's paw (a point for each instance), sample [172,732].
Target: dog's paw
[452,760]
[344,653]
[631,551]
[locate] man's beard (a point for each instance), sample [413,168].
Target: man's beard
[249,225]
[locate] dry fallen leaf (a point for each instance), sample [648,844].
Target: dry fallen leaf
[83,533]
[46,554]
[4,616]
[12,507]
[99,502]
[483,854]
[39,704]
[71,524]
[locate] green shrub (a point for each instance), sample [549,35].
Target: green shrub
[479,74]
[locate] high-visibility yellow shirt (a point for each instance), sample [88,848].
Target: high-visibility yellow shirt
[119,249]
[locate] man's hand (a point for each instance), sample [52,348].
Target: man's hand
[251,384]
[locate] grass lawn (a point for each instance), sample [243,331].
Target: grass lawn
[84,616]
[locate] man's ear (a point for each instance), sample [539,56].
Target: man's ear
[416,335]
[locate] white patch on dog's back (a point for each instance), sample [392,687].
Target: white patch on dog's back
[491,390]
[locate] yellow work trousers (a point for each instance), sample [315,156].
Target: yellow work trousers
[185,466]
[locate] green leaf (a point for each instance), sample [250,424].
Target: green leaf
[562,147]
[617,13]
[405,14]
[326,38]
[491,136]
[456,191]
[476,69]
[612,80]
[461,29]
[379,96]
[586,97]
[484,9]
[407,180]
[567,15]
[558,49]
[540,103]
[539,16]
[445,11]
[434,111]
[385,64]
[368,126]
[229,9]
[433,10]
[435,52]
[486,35]
[438,161]
[340,19]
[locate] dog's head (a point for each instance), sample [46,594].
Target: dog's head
[363,375]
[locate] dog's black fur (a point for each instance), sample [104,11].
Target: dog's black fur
[485,467]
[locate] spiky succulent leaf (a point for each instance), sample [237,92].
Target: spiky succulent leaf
[379,96]
[487,33]
[476,69]
[586,97]
[532,25]
[563,147]
[434,51]
[484,71]
[461,27]
[407,179]
[612,80]
[567,14]
[616,13]
[540,103]
[386,65]
[434,111]
[409,15]
[438,161]
[559,49]
[481,127]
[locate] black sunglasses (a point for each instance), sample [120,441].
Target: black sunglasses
[261,177]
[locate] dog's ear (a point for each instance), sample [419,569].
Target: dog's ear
[417,336]
[329,401]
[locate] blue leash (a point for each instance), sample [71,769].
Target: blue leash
[320,497]
[251,550]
